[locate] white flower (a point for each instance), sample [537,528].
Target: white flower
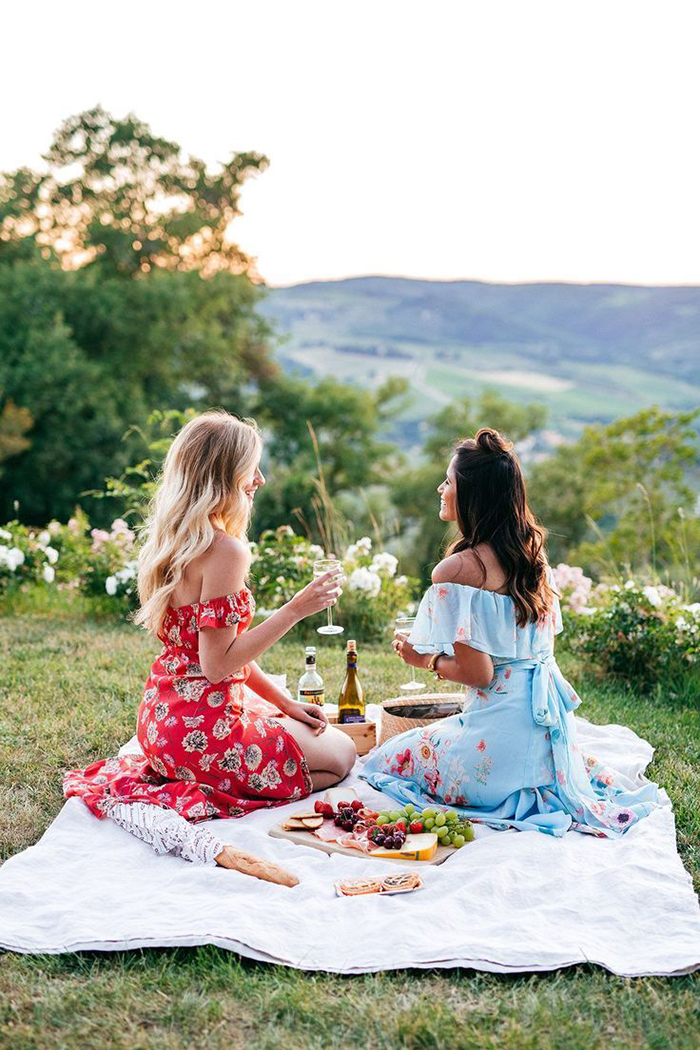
[49,573]
[401,581]
[11,557]
[127,573]
[316,552]
[365,544]
[652,595]
[363,579]
[630,585]
[44,538]
[52,554]
[694,608]
[54,527]
[280,579]
[5,535]
[384,564]
[111,585]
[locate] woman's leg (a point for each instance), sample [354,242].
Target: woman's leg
[168,832]
[330,755]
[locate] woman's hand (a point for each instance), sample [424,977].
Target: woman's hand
[318,595]
[311,714]
[403,648]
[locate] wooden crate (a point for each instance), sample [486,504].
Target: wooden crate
[363,733]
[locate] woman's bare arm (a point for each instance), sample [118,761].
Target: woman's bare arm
[221,653]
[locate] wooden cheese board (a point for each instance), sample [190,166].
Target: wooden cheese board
[306,838]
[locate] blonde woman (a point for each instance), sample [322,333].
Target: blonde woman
[219,738]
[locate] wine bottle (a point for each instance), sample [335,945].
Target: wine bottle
[310,689]
[351,702]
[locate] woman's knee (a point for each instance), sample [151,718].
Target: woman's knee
[343,752]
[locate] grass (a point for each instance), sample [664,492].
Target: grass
[68,694]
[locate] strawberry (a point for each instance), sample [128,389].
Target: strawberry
[319,806]
[416,827]
[328,810]
[357,805]
[400,825]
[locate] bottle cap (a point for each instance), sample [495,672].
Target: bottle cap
[352,645]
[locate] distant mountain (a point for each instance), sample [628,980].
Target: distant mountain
[589,352]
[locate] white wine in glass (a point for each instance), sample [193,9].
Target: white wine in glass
[404,625]
[321,567]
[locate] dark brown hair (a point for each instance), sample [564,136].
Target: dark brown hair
[492,508]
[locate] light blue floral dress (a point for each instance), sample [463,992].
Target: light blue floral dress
[511,759]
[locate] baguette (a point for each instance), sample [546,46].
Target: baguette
[247,864]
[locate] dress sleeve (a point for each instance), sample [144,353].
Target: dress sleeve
[450,613]
[226,611]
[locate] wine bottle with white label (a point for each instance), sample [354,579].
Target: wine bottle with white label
[351,702]
[310,689]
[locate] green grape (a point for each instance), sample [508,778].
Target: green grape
[458,841]
[468,832]
[395,815]
[452,814]
[383,819]
[446,841]
[428,823]
[442,832]
[429,812]
[440,820]
[409,808]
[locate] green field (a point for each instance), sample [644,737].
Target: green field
[610,350]
[69,694]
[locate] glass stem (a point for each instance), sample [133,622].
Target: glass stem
[330,617]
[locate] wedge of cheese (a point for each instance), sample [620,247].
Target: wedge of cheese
[416,847]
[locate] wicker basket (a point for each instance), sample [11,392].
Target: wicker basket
[394,723]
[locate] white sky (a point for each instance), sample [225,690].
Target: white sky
[503,140]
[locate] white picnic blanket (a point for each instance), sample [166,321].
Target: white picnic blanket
[509,901]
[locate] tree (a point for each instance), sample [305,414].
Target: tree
[347,422]
[14,424]
[116,193]
[414,488]
[104,315]
[611,499]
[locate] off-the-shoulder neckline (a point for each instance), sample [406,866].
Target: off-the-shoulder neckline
[468,587]
[193,605]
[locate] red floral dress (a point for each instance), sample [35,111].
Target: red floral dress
[211,750]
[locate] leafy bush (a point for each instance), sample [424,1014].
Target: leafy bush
[372,596]
[641,632]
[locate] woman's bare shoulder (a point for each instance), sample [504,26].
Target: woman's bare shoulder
[462,567]
[224,566]
[467,567]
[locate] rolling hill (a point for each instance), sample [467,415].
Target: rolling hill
[588,352]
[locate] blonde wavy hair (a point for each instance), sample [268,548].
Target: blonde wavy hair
[200,490]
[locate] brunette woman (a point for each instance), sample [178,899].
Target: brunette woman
[488,621]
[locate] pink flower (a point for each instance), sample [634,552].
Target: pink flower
[481,746]
[507,673]
[99,538]
[561,777]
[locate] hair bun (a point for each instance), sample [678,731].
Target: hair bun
[489,440]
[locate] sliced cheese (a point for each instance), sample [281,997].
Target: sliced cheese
[416,847]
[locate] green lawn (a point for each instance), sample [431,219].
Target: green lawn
[69,694]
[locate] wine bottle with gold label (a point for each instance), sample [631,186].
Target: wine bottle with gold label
[351,702]
[310,689]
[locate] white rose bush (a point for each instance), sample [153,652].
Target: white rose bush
[373,593]
[643,632]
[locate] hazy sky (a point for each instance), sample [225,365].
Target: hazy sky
[525,140]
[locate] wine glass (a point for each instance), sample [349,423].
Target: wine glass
[322,566]
[403,625]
